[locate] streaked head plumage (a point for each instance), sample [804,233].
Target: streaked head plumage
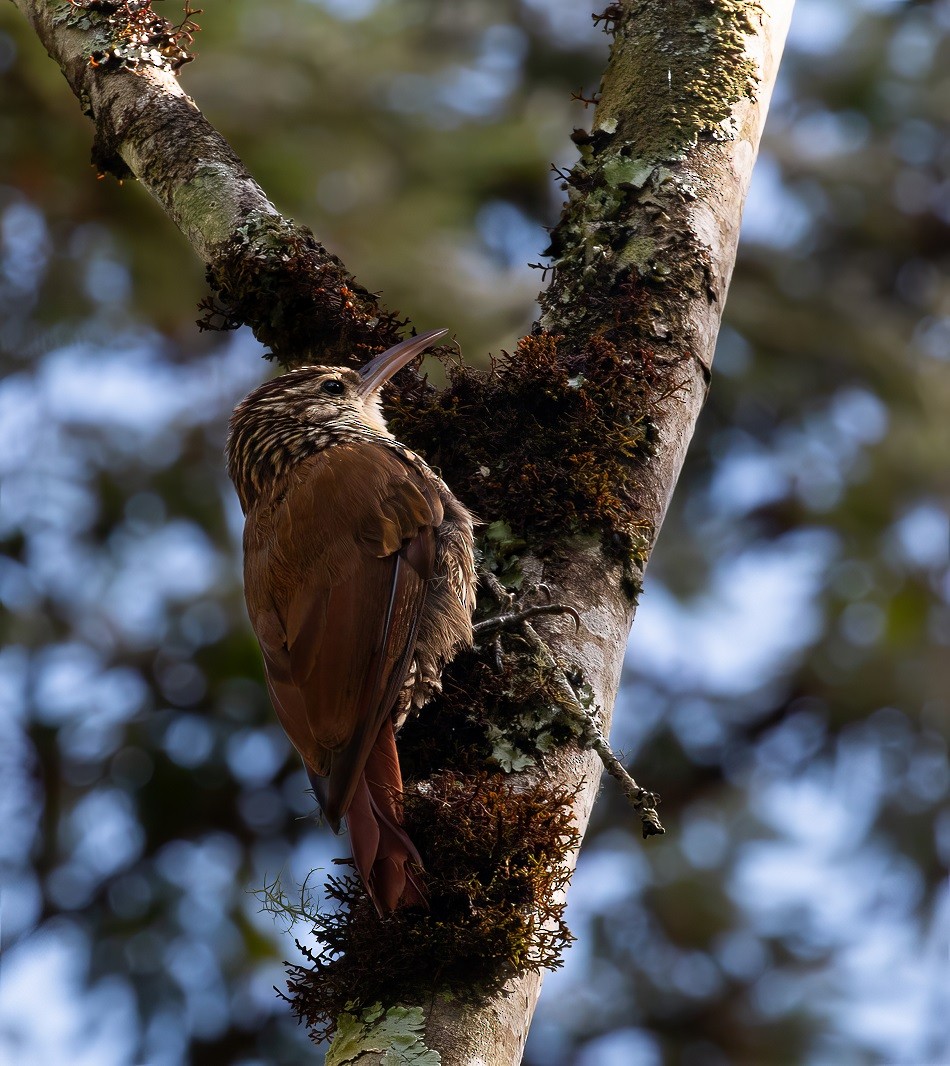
[290,417]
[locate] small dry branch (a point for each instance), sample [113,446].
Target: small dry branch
[642,800]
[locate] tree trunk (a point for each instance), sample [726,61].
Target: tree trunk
[642,257]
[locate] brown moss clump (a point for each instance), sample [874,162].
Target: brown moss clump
[495,872]
[495,850]
[551,442]
[515,719]
[299,299]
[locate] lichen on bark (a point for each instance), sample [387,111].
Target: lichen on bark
[675,74]
[130,33]
[397,1034]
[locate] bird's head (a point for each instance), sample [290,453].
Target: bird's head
[331,393]
[305,410]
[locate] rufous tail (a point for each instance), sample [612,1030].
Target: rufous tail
[385,858]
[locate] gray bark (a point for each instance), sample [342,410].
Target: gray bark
[674,138]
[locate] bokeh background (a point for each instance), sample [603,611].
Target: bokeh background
[787,680]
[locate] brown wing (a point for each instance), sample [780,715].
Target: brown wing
[335,578]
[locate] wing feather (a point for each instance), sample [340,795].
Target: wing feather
[336,573]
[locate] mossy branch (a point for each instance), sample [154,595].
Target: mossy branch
[121,59]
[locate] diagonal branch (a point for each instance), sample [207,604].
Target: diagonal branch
[267,271]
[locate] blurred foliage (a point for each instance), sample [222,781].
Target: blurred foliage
[788,677]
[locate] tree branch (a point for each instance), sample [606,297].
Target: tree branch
[268,272]
[642,258]
[642,800]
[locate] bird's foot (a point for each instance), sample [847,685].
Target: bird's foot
[516,619]
[490,629]
[512,619]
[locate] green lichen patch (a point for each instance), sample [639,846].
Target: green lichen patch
[495,873]
[76,15]
[299,299]
[500,550]
[398,1031]
[550,442]
[676,72]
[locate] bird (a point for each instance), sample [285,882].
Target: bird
[359,580]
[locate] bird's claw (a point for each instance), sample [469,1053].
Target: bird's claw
[496,589]
[489,630]
[514,619]
[543,586]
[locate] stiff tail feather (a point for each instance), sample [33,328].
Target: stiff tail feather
[385,857]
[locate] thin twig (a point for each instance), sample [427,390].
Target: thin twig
[642,800]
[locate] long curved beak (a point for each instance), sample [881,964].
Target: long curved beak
[379,370]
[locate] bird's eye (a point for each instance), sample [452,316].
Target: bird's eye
[332,386]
